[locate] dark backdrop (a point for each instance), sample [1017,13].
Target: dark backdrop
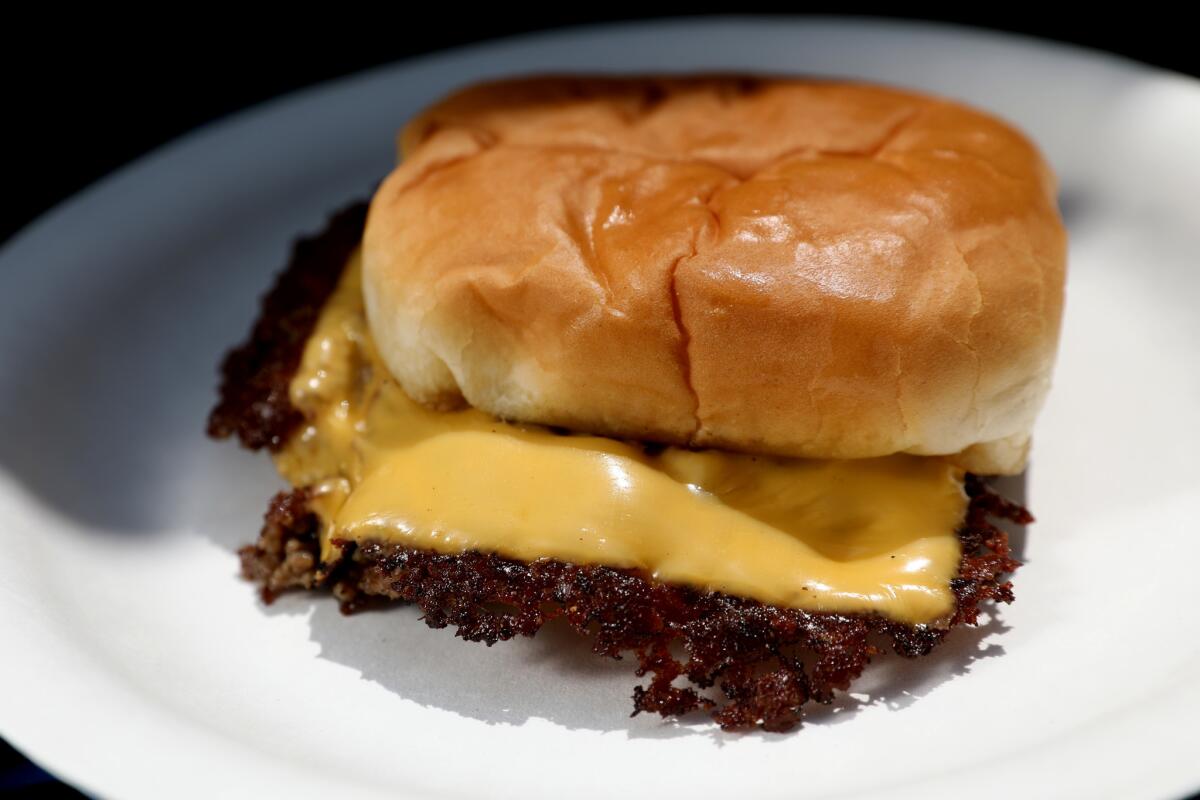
[87,97]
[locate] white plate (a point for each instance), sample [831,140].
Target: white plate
[137,664]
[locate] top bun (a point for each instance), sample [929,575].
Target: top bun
[795,267]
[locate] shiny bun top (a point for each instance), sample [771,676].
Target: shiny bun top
[794,267]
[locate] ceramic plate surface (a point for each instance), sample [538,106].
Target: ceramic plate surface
[138,665]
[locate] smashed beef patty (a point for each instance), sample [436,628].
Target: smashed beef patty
[766,661]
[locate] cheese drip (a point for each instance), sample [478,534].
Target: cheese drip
[871,535]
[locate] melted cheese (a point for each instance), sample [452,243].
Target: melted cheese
[873,535]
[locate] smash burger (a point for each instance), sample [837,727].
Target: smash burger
[708,367]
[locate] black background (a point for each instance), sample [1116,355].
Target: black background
[84,99]
[82,96]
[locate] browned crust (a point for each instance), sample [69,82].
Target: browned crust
[253,396]
[765,661]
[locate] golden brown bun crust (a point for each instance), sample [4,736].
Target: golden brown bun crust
[798,267]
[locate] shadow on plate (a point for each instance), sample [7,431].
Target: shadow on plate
[119,367]
[556,677]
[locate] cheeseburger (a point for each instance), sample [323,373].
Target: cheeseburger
[709,368]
